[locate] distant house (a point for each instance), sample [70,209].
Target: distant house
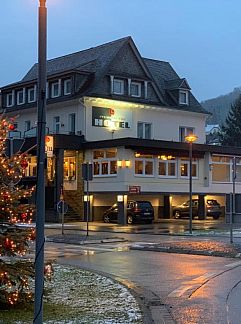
[128,116]
[212,134]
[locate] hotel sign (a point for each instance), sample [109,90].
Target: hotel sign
[49,145]
[111,117]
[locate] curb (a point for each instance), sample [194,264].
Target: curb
[153,309]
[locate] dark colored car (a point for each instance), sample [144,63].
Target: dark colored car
[213,209]
[137,211]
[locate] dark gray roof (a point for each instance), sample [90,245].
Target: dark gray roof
[96,60]
[163,74]
[90,60]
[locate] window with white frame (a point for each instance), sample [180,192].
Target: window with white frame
[184,167]
[184,131]
[31,170]
[222,168]
[31,94]
[56,124]
[55,89]
[72,123]
[105,162]
[167,166]
[118,86]
[20,97]
[70,168]
[144,165]
[9,99]
[27,125]
[144,130]
[135,89]
[67,87]
[183,97]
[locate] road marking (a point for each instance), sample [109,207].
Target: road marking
[205,276]
[232,265]
[179,291]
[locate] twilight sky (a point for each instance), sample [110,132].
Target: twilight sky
[200,38]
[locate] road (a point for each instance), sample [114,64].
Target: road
[195,289]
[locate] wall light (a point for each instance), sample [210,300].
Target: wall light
[119,163]
[120,198]
[85,198]
[127,163]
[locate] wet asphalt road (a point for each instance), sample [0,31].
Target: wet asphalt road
[196,289]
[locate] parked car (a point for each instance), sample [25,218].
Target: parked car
[137,211]
[213,209]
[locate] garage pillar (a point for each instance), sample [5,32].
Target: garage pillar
[122,209]
[201,207]
[167,206]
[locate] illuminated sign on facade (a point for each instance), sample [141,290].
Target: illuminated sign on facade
[49,145]
[111,117]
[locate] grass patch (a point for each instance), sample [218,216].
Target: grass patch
[79,296]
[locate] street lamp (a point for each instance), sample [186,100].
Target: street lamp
[191,138]
[40,191]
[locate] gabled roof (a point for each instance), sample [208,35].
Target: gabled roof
[177,84]
[92,60]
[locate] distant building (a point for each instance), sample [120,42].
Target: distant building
[212,134]
[128,116]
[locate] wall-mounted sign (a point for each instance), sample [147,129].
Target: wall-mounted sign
[135,189]
[49,146]
[111,117]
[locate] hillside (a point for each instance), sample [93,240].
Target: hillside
[220,106]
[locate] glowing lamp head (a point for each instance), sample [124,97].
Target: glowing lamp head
[11,127]
[191,138]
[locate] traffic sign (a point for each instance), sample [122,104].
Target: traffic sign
[62,207]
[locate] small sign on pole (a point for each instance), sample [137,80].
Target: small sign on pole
[62,209]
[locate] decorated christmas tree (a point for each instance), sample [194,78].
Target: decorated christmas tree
[15,271]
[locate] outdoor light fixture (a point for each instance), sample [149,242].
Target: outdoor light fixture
[127,163]
[85,198]
[190,139]
[119,163]
[120,198]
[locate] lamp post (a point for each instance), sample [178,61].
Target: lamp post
[190,139]
[40,191]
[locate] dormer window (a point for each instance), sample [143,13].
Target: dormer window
[118,86]
[20,97]
[183,97]
[9,99]
[67,87]
[135,89]
[55,89]
[32,94]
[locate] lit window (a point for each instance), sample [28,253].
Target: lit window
[105,162]
[167,167]
[67,87]
[31,170]
[55,89]
[183,97]
[184,168]
[144,165]
[222,168]
[9,102]
[144,130]
[135,89]
[118,86]
[70,168]
[184,131]
[31,94]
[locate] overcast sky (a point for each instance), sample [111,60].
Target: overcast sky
[200,38]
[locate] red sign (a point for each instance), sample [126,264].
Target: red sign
[135,189]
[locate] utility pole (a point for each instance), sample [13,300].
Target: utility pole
[40,192]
